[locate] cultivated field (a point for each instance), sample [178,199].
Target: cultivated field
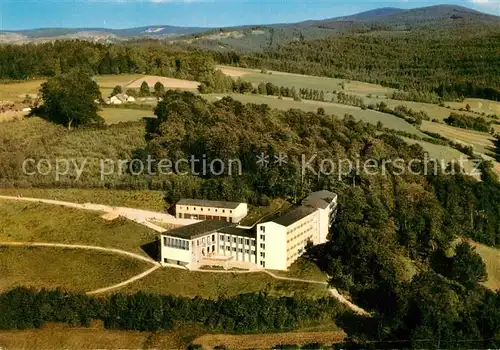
[478,105]
[482,142]
[434,111]
[73,270]
[305,81]
[269,340]
[112,80]
[119,115]
[213,285]
[55,336]
[18,90]
[139,199]
[35,222]
[169,83]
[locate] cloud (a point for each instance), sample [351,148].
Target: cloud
[485,2]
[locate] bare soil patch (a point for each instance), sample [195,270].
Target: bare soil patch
[234,72]
[268,341]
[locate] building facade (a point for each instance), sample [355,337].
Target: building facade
[200,209]
[275,244]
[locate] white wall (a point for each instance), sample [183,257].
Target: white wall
[323,225]
[175,254]
[240,212]
[275,246]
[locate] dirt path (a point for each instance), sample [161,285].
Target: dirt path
[102,249]
[143,217]
[333,291]
[79,246]
[124,283]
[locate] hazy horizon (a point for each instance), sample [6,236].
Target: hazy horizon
[122,14]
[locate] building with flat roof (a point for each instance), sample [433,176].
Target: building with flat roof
[201,209]
[274,244]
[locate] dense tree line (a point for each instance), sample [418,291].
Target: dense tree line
[347,99]
[449,67]
[386,247]
[467,122]
[50,59]
[22,308]
[403,112]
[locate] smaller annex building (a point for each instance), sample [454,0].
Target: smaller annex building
[200,209]
[274,244]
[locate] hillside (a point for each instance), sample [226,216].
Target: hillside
[259,37]
[385,22]
[95,34]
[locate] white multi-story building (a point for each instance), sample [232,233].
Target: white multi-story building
[275,244]
[201,209]
[326,204]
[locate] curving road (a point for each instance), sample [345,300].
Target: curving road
[142,216]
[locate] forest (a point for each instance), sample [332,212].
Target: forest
[49,59]
[398,246]
[22,308]
[427,67]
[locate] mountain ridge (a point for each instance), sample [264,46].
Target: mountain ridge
[386,17]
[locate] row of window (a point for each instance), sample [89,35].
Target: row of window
[208,209]
[299,235]
[294,256]
[300,244]
[247,251]
[175,243]
[236,240]
[300,226]
[203,240]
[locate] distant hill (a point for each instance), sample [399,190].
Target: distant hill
[398,18]
[96,34]
[261,37]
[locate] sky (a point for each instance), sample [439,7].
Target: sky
[29,14]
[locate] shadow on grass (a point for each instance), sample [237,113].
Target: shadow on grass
[152,249]
[495,151]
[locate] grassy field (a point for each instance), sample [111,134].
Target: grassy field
[213,285]
[305,81]
[339,110]
[304,269]
[118,115]
[17,91]
[256,214]
[478,105]
[482,142]
[145,199]
[35,222]
[73,270]
[491,257]
[444,154]
[433,110]
[54,336]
